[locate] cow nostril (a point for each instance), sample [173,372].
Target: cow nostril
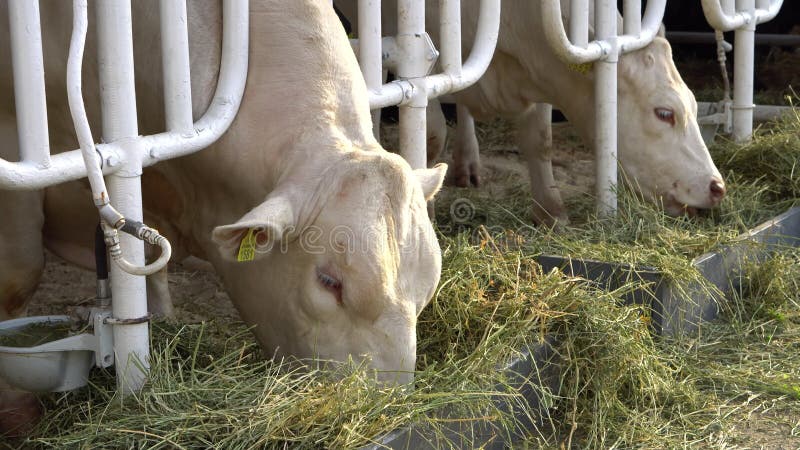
[717,188]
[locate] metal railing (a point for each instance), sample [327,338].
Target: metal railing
[742,16]
[124,153]
[603,51]
[413,56]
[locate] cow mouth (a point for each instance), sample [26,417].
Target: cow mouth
[675,208]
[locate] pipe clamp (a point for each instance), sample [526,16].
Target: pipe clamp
[134,321]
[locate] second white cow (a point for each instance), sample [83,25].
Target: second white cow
[660,149]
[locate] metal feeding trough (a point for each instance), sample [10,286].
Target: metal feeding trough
[681,309]
[534,375]
[36,362]
[39,355]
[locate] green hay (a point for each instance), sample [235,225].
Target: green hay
[206,392]
[771,159]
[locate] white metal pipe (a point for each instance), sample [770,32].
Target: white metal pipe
[92,162]
[142,270]
[743,72]
[597,49]
[394,93]
[450,36]
[370,51]
[479,58]
[69,166]
[63,167]
[632,17]
[29,91]
[722,16]
[175,62]
[118,102]
[605,72]
[555,35]
[728,7]
[413,66]
[579,22]
[766,10]
[80,24]
[413,135]
[650,25]
[604,51]
[400,92]
[227,97]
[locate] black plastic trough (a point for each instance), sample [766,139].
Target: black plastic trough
[673,311]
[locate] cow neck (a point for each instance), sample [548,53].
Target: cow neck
[331,163]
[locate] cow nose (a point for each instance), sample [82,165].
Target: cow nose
[717,189]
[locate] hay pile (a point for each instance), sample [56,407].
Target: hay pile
[619,387]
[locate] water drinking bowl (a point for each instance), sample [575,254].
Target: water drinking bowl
[38,354]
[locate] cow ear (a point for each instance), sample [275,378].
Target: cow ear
[258,232]
[431,179]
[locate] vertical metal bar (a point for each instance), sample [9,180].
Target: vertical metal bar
[632,17]
[118,102]
[450,32]
[175,61]
[579,22]
[370,51]
[606,110]
[413,128]
[743,56]
[728,7]
[29,92]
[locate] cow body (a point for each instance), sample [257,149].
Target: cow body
[346,255]
[667,162]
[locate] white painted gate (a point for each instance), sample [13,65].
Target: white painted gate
[414,56]
[124,152]
[638,31]
[742,16]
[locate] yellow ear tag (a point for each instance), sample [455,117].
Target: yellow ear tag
[580,68]
[247,248]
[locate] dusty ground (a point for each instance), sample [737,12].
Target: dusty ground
[196,292]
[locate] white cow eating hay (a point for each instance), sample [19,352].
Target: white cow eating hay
[660,149]
[345,254]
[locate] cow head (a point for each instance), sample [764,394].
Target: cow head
[660,147]
[342,267]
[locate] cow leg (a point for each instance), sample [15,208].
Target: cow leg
[159,301]
[19,411]
[21,250]
[536,142]
[21,266]
[437,131]
[465,153]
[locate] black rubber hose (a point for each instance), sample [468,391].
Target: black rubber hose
[132,227]
[100,254]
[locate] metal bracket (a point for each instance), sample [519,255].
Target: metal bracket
[104,332]
[423,44]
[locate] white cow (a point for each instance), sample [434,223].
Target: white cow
[660,147]
[347,255]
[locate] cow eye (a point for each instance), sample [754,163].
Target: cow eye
[665,115]
[332,284]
